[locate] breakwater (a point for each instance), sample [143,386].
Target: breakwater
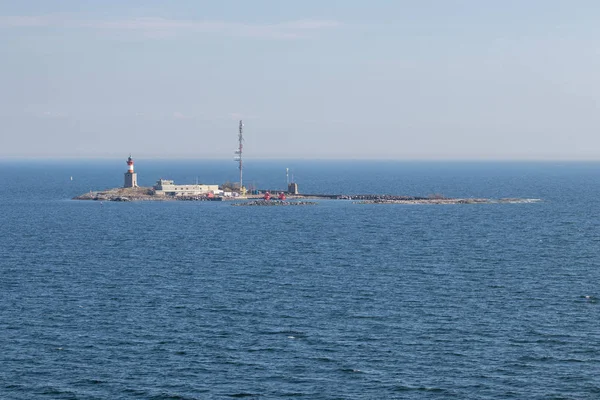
[446,201]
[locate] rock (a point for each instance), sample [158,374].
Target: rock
[273,203]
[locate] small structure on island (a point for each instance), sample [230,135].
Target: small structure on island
[293,188]
[130,176]
[170,188]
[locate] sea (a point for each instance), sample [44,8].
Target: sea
[338,300]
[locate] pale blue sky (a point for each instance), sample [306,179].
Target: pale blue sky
[421,79]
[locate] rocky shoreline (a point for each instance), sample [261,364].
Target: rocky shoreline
[273,203]
[121,194]
[148,194]
[137,194]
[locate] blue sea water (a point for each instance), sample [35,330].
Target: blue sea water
[201,300]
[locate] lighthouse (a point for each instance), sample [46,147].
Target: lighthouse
[130,176]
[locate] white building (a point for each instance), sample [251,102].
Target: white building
[168,187]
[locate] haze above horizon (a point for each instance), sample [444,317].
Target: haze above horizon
[405,80]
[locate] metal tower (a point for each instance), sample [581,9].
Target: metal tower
[238,152]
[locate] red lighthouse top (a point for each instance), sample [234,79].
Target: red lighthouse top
[130,164]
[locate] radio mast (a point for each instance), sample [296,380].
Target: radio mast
[238,152]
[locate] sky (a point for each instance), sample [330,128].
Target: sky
[340,79]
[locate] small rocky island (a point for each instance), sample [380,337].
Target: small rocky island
[150,194]
[168,190]
[122,194]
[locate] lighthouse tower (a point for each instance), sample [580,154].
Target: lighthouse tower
[130,176]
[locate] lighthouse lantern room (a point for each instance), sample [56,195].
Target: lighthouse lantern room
[130,176]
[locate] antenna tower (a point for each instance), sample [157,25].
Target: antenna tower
[238,152]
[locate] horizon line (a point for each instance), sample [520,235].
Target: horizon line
[367,159]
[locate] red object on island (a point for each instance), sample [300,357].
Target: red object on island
[130,165]
[282,196]
[267,196]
